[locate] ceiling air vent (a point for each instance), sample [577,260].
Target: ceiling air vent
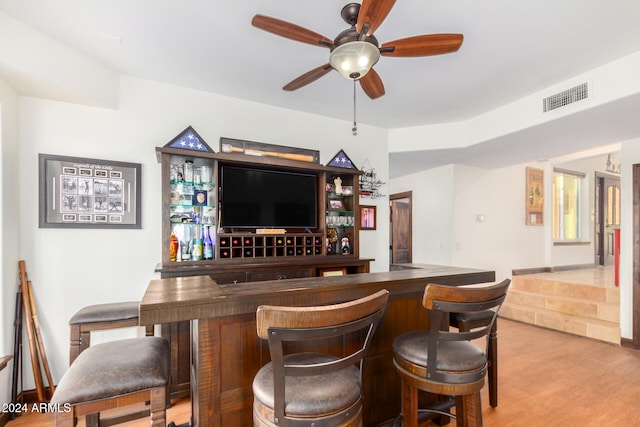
[566,97]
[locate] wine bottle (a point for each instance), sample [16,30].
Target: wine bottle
[208,244]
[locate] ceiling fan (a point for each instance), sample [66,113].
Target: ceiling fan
[355,51]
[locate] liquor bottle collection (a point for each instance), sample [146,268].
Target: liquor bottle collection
[192,212]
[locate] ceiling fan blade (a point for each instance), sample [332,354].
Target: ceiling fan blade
[290,31]
[308,77]
[372,84]
[425,45]
[372,13]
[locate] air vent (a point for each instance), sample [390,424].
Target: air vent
[567,97]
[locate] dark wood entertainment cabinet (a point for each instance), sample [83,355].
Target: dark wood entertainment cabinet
[244,255]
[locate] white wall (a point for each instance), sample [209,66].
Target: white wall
[446,229]
[10,220]
[502,241]
[432,215]
[71,268]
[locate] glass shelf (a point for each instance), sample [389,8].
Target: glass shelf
[183,205]
[192,184]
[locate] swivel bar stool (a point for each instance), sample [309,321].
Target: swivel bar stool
[444,361]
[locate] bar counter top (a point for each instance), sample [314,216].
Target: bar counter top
[199,297]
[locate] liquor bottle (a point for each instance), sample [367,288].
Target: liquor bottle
[208,244]
[173,247]
[196,249]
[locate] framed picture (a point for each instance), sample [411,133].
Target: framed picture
[367,217]
[336,204]
[534,196]
[88,193]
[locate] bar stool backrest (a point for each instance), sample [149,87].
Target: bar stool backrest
[440,301]
[282,325]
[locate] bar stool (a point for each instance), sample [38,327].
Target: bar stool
[313,388]
[444,361]
[100,317]
[114,374]
[468,321]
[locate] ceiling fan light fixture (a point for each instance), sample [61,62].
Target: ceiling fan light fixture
[354,59]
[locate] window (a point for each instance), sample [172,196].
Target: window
[566,205]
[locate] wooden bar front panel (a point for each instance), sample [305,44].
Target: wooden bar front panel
[236,349]
[226,352]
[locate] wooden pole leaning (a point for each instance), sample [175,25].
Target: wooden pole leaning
[39,342]
[33,347]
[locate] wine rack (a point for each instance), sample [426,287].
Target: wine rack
[248,245]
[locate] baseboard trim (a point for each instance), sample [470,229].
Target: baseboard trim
[537,270]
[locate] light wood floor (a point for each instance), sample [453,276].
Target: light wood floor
[546,378]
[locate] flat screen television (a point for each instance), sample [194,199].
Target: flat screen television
[260,198]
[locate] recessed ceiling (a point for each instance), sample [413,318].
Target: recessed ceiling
[511,49]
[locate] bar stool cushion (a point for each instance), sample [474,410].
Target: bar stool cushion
[453,356]
[115,368]
[106,312]
[310,396]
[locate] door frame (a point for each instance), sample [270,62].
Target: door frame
[601,197]
[399,196]
[634,341]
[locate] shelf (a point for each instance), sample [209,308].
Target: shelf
[193,184]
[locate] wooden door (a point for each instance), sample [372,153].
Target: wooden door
[607,208]
[401,228]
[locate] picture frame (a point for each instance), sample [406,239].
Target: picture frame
[534,196]
[336,204]
[367,217]
[77,192]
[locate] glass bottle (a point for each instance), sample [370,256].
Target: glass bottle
[196,249]
[173,247]
[208,245]
[196,243]
[188,171]
[185,243]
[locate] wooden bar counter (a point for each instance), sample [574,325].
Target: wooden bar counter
[226,352]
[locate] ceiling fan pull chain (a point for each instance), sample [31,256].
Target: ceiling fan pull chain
[354,129]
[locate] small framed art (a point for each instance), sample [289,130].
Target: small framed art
[336,204]
[367,217]
[534,196]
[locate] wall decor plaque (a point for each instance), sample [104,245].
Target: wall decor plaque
[78,192]
[534,196]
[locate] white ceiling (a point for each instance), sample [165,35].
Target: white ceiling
[511,49]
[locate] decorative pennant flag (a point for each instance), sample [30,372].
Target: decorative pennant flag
[189,139]
[341,160]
